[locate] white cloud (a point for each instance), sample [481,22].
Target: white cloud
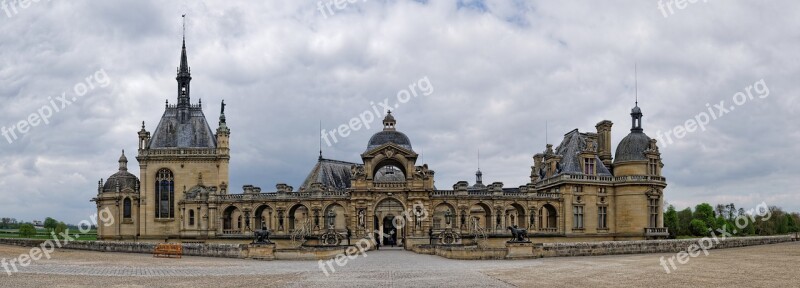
[500,70]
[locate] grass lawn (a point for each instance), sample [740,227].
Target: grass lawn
[42,234]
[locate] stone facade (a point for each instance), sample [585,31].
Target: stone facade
[578,192]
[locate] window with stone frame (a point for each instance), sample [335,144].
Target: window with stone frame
[165,194]
[191,217]
[577,217]
[653,213]
[653,167]
[602,217]
[126,208]
[588,166]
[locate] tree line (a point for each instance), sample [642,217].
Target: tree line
[28,230]
[705,219]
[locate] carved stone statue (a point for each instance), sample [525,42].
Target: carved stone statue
[518,234]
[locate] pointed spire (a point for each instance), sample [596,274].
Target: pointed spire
[184,73]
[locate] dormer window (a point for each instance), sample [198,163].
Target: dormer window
[588,166]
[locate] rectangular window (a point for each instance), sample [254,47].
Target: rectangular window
[588,166]
[601,190]
[653,213]
[653,167]
[602,217]
[577,219]
[577,189]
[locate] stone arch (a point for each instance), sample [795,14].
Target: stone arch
[515,215]
[265,217]
[548,217]
[339,214]
[390,217]
[231,220]
[384,162]
[441,218]
[299,216]
[480,214]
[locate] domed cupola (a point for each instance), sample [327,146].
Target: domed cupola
[633,146]
[122,181]
[389,135]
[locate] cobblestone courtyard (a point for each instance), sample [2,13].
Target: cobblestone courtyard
[759,266]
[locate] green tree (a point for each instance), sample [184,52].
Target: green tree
[698,227]
[50,224]
[27,230]
[705,213]
[684,219]
[671,221]
[60,228]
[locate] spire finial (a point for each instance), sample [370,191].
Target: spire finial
[184,29]
[320,141]
[636,82]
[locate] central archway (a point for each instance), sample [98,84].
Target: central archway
[390,222]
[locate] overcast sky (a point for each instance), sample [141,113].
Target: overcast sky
[499,70]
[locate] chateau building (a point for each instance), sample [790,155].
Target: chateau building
[578,191]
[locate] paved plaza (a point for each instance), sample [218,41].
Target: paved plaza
[758,266]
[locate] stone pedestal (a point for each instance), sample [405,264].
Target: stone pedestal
[261,251]
[519,250]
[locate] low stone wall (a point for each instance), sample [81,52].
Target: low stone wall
[205,250]
[646,246]
[452,252]
[470,252]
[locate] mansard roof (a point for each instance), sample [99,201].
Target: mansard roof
[331,173]
[192,132]
[570,149]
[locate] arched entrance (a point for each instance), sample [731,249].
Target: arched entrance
[390,222]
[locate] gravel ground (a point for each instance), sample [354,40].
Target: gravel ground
[758,266]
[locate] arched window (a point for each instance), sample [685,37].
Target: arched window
[191,217]
[126,208]
[165,194]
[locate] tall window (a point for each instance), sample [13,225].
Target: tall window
[165,194]
[588,166]
[602,217]
[191,217]
[126,208]
[577,219]
[653,166]
[654,212]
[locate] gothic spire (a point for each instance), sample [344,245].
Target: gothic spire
[184,73]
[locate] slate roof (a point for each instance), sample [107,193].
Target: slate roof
[193,132]
[570,149]
[384,137]
[123,178]
[331,173]
[632,147]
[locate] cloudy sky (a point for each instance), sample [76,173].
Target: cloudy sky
[500,69]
